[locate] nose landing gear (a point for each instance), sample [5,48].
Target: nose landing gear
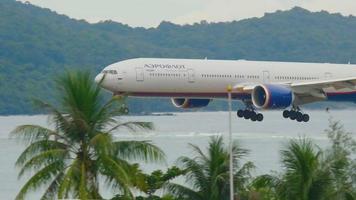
[295,114]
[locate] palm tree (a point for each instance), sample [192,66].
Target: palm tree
[304,177]
[70,160]
[208,174]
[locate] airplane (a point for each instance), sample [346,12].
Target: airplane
[260,85]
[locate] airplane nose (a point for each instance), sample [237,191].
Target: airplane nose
[98,78]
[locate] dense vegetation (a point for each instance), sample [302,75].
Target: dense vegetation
[36,44]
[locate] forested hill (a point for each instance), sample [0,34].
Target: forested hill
[37,44]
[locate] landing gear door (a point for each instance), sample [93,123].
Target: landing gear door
[191,75]
[266,77]
[139,74]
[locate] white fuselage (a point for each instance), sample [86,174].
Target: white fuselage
[191,78]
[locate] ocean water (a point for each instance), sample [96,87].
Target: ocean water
[173,133]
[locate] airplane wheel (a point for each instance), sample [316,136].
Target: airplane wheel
[259,117]
[293,115]
[306,118]
[240,113]
[286,114]
[247,114]
[299,117]
[254,118]
[253,114]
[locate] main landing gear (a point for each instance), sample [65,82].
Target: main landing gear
[250,114]
[295,114]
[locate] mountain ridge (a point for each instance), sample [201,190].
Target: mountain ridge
[37,44]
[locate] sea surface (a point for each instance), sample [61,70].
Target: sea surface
[174,133]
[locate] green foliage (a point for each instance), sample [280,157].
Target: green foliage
[304,177]
[37,44]
[151,183]
[310,173]
[341,161]
[207,174]
[157,180]
[70,159]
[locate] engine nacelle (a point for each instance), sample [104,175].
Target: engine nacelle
[190,103]
[272,96]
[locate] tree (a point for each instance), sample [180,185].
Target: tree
[208,173]
[151,183]
[157,180]
[304,176]
[71,159]
[339,157]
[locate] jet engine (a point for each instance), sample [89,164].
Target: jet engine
[190,103]
[272,96]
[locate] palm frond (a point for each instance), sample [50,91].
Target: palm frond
[38,147]
[43,159]
[238,151]
[243,175]
[201,155]
[32,133]
[117,173]
[107,112]
[102,143]
[114,170]
[208,173]
[301,161]
[133,126]
[194,173]
[60,121]
[267,180]
[68,178]
[321,184]
[182,192]
[40,178]
[52,189]
[139,150]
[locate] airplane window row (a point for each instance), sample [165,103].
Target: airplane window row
[165,75]
[295,78]
[229,76]
[215,76]
[253,76]
[109,71]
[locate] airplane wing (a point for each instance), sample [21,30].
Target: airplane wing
[337,84]
[308,92]
[314,91]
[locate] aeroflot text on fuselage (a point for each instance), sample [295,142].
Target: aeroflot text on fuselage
[164,66]
[262,85]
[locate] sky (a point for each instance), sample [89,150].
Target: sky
[149,13]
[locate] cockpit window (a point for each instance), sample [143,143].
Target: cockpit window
[109,71]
